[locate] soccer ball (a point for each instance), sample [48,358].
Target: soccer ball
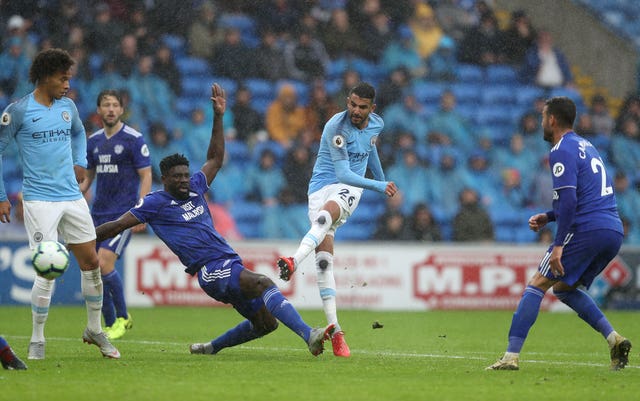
[50,259]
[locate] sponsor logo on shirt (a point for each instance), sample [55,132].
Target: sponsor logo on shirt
[558,169]
[52,135]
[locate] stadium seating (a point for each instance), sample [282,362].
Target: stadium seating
[469,73]
[248,217]
[192,66]
[501,74]
[498,94]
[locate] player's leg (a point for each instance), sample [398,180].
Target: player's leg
[114,308]
[246,290]
[347,199]
[320,226]
[594,252]
[8,358]
[108,277]
[41,222]
[79,232]
[327,286]
[325,210]
[260,323]
[523,319]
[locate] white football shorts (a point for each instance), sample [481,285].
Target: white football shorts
[45,220]
[346,196]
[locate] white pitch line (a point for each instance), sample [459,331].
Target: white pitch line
[393,354]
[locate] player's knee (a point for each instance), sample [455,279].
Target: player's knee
[265,324]
[324,260]
[263,282]
[323,218]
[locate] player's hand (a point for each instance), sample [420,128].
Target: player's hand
[139,228]
[555,263]
[5,211]
[537,221]
[391,189]
[218,97]
[81,174]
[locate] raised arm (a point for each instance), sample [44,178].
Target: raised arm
[114,227]
[215,151]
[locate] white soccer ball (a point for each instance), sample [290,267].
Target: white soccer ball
[50,259]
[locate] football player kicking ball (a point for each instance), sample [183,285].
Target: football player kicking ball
[588,237]
[179,215]
[347,149]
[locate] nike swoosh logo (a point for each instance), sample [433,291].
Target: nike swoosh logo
[36,119]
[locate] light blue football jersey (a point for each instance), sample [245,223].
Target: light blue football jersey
[50,140]
[341,140]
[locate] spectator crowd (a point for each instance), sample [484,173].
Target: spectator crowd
[460,87]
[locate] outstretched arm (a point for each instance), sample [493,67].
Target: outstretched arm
[215,152]
[112,228]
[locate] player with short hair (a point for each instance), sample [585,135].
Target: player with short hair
[52,146]
[180,217]
[118,158]
[589,235]
[8,358]
[347,149]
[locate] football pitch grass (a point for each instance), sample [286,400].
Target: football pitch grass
[414,356]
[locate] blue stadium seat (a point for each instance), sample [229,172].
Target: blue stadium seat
[261,104]
[336,68]
[248,217]
[526,94]
[176,43]
[368,71]
[523,234]
[332,86]
[193,86]
[469,73]
[186,104]
[238,152]
[427,92]
[261,88]
[467,93]
[504,233]
[354,232]
[501,74]
[499,94]
[191,66]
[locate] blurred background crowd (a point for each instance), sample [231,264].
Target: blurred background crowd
[460,85]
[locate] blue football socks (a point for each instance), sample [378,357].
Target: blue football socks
[587,310]
[238,335]
[280,307]
[108,311]
[114,291]
[524,317]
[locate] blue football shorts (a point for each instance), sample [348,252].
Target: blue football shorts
[221,281]
[584,257]
[116,244]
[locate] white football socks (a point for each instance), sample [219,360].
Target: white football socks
[40,300]
[319,229]
[91,285]
[327,286]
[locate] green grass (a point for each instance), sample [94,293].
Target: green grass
[416,356]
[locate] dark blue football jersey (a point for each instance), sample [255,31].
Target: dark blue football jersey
[185,226]
[576,163]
